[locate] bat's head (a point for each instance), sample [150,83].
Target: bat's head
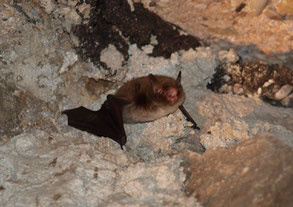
[167,88]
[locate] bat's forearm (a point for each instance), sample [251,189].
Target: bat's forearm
[188,117]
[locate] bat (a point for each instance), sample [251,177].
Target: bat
[142,99]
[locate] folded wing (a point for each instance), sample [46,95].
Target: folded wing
[106,122]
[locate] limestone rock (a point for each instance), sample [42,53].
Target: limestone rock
[285,7]
[48,5]
[254,172]
[256,6]
[112,57]
[283,92]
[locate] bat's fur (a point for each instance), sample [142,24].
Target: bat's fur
[148,97]
[139,100]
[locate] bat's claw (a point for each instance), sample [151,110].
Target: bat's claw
[194,126]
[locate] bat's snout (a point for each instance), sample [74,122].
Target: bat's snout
[171,94]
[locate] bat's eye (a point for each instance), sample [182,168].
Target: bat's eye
[159,91]
[171,94]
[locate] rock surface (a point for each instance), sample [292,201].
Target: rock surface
[44,162]
[219,22]
[41,169]
[253,172]
[270,82]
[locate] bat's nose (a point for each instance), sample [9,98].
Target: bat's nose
[171,94]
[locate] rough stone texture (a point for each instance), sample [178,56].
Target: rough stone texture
[254,37]
[270,82]
[254,172]
[41,169]
[285,7]
[44,162]
[256,7]
[48,5]
[120,22]
[231,118]
[9,120]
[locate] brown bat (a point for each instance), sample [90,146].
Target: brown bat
[142,99]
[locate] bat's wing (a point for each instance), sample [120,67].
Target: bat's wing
[106,122]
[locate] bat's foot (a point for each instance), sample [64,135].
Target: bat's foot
[194,126]
[188,117]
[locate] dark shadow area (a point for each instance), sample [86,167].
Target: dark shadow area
[114,22]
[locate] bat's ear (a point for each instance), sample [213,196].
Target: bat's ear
[153,78]
[155,83]
[178,80]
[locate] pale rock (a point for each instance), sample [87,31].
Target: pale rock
[259,91]
[268,83]
[224,134]
[226,78]
[71,16]
[158,135]
[25,145]
[285,7]
[210,141]
[140,64]
[48,5]
[85,9]
[112,57]
[254,172]
[148,49]
[71,168]
[64,10]
[283,92]
[256,6]
[225,89]
[237,89]
[130,2]
[216,106]
[69,59]
[67,167]
[71,3]
[228,56]
[74,16]
[154,40]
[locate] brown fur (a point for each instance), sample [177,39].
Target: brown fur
[147,103]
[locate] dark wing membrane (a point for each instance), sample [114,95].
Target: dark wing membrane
[107,121]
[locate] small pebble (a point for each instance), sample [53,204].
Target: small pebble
[256,6]
[259,91]
[237,89]
[283,92]
[228,56]
[268,83]
[226,78]
[189,124]
[225,88]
